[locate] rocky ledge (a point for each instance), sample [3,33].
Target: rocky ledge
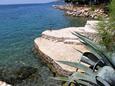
[83,11]
[62,45]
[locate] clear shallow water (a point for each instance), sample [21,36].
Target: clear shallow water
[20,25]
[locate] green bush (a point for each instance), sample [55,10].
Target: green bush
[106,29]
[112,10]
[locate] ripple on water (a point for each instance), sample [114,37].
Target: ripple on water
[19,26]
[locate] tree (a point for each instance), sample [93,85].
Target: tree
[88,1]
[67,1]
[72,1]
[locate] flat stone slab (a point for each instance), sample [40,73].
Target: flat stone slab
[59,51]
[61,45]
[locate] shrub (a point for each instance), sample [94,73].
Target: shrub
[106,29]
[102,66]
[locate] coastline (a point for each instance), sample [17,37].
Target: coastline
[17,36]
[82,11]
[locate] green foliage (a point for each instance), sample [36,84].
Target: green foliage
[72,1]
[87,1]
[67,1]
[102,71]
[106,31]
[112,9]
[96,49]
[97,75]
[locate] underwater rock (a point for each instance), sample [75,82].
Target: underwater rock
[16,75]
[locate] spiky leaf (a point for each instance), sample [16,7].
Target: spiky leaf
[61,78]
[82,76]
[94,48]
[78,65]
[102,82]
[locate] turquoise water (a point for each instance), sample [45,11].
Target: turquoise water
[21,24]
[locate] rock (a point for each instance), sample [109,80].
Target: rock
[61,45]
[4,84]
[96,17]
[48,81]
[24,72]
[82,11]
[18,75]
[86,14]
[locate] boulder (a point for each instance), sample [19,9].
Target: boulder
[62,45]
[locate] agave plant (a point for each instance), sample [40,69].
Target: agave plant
[101,69]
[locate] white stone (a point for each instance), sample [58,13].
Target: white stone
[66,49]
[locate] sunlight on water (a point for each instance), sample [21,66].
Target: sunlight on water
[19,26]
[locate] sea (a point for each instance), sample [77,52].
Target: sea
[19,26]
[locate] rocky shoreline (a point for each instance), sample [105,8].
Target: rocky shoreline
[82,11]
[56,45]
[55,68]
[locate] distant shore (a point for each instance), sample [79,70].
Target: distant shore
[82,11]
